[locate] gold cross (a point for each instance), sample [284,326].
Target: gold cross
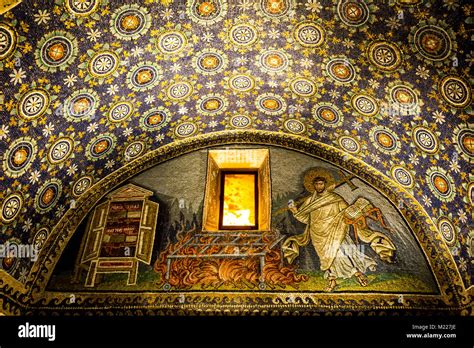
[346,179]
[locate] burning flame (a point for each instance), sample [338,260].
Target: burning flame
[238,273]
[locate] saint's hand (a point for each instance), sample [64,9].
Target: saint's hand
[292,206]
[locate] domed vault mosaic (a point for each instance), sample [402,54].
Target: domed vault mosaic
[89,86]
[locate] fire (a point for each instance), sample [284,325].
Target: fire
[239,200]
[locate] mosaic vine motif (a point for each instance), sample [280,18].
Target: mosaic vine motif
[88,86]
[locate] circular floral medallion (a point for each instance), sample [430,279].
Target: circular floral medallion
[81,105]
[402,176]
[11,207]
[384,55]
[210,61]
[270,104]
[120,111]
[9,262]
[33,104]
[242,83]
[56,51]
[403,98]
[455,91]
[60,150]
[40,238]
[179,91]
[82,185]
[273,61]
[365,105]
[303,87]
[309,34]
[171,42]
[48,195]
[470,193]
[103,64]
[129,22]
[144,76]
[327,115]
[447,230]
[341,70]
[8,41]
[275,8]
[155,119]
[100,146]
[432,42]
[385,140]
[206,12]
[240,121]
[464,142]
[211,105]
[294,126]
[134,150]
[441,184]
[19,156]
[349,144]
[185,129]
[243,34]
[81,8]
[354,13]
[425,139]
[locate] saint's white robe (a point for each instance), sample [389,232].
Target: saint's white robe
[325,228]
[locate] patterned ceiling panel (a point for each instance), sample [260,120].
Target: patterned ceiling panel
[90,85]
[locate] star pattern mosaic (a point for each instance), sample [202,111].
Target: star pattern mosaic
[90,85]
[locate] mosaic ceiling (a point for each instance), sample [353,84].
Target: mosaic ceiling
[89,85]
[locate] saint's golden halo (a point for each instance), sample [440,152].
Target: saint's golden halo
[315,172]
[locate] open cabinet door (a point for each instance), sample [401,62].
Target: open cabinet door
[211,206]
[147,232]
[95,232]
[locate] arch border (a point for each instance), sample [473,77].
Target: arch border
[33,294]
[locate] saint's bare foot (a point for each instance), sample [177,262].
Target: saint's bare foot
[362,279]
[331,285]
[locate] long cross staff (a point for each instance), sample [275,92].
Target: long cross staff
[346,179]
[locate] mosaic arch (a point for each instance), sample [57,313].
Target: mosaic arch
[86,87]
[433,247]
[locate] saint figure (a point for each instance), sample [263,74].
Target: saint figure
[328,231]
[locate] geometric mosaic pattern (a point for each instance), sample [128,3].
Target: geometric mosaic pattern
[88,86]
